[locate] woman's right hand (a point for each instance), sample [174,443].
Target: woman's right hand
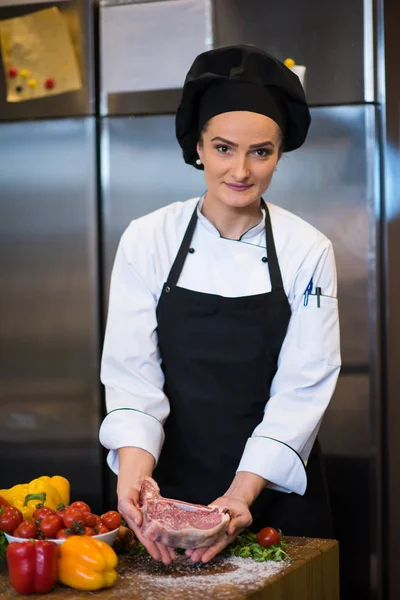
[128,506]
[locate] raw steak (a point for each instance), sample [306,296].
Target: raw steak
[179,524]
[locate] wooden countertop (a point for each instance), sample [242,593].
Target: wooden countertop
[311,574]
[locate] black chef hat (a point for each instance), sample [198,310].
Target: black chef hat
[240,78]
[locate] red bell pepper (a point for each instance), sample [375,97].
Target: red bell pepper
[32,566]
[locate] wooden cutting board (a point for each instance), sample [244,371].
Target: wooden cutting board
[311,574]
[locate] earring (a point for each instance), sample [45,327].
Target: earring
[276,168]
[198,162]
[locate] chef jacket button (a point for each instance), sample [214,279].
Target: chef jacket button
[264,259]
[191,250]
[167,289]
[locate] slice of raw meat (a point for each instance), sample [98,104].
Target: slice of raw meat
[179,524]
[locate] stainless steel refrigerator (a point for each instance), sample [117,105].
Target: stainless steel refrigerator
[50,401]
[335,182]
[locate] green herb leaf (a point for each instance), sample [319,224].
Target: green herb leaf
[3,546]
[244,546]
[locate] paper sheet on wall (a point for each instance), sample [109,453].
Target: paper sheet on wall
[151,45]
[38,56]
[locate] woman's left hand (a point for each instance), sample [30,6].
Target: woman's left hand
[240,519]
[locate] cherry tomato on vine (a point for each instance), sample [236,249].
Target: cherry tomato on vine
[111,519]
[101,529]
[90,519]
[62,509]
[64,533]
[42,512]
[74,517]
[98,520]
[10,518]
[27,529]
[267,537]
[81,506]
[51,525]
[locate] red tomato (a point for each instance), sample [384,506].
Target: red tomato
[62,534]
[90,519]
[51,525]
[101,529]
[42,512]
[81,506]
[89,531]
[111,519]
[27,529]
[98,520]
[268,536]
[3,502]
[74,518]
[62,509]
[10,518]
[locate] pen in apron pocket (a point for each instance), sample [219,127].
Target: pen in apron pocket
[318,293]
[308,292]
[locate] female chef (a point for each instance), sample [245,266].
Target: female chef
[221,351]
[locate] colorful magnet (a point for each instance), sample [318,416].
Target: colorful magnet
[19,89]
[289,62]
[32,83]
[12,72]
[50,83]
[24,73]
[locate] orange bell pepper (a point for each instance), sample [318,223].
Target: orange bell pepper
[87,564]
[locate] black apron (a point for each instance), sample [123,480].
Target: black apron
[219,356]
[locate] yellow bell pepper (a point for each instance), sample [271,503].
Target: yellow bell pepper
[56,491]
[86,564]
[38,491]
[62,486]
[14,492]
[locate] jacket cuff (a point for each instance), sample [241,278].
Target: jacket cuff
[276,462]
[129,427]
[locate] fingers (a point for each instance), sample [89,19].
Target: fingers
[197,554]
[127,507]
[165,553]
[150,546]
[156,550]
[232,526]
[206,554]
[212,552]
[172,553]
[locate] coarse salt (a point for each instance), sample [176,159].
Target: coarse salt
[225,578]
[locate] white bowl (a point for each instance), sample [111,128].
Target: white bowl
[108,538]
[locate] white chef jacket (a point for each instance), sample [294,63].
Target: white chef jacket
[309,361]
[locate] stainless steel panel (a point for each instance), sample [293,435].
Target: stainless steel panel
[161,102]
[49,390]
[389,52]
[327,37]
[345,429]
[142,170]
[331,183]
[79,18]
[345,437]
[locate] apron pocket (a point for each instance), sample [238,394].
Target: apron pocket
[318,329]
